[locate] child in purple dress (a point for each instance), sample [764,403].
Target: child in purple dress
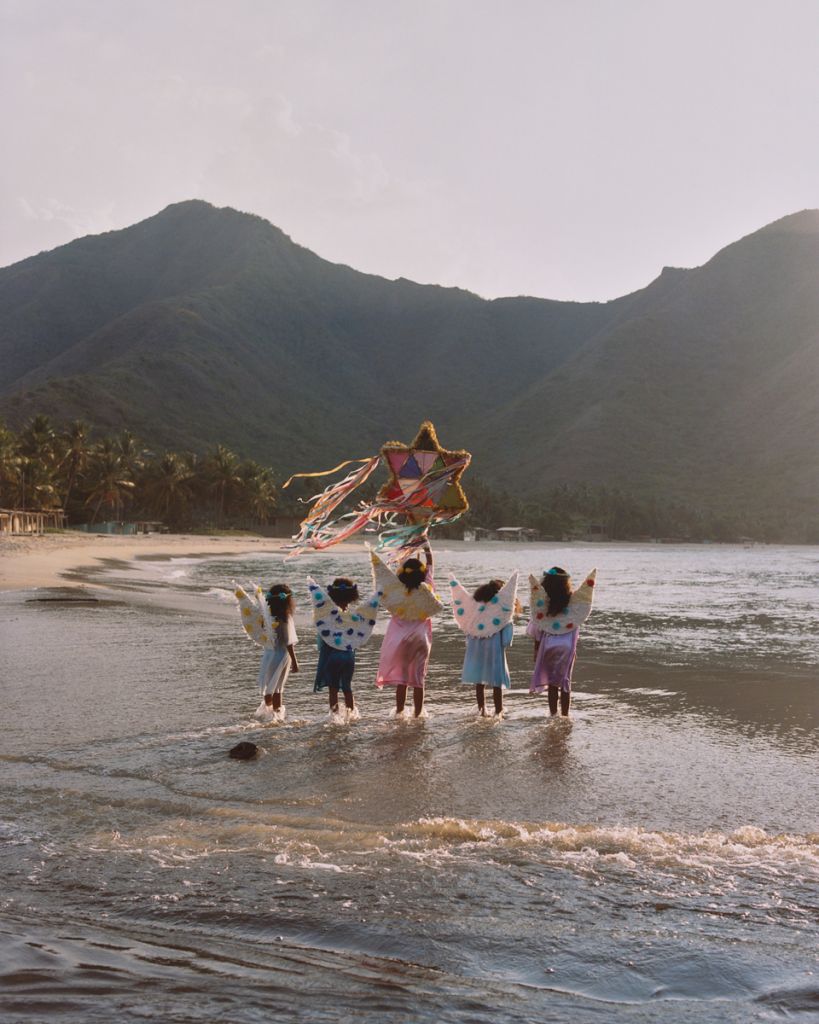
[556,616]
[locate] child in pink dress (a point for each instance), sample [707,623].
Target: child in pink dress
[410,599]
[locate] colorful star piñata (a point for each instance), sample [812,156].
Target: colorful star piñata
[424,477]
[423,490]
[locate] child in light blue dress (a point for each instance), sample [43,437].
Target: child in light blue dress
[485,617]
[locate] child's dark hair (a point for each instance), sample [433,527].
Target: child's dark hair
[280,600]
[343,592]
[412,573]
[486,591]
[558,587]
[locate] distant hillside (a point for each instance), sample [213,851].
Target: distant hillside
[202,325]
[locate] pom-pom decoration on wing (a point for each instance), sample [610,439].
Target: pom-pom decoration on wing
[483,618]
[257,621]
[423,490]
[413,605]
[343,629]
[574,615]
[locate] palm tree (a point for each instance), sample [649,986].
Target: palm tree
[38,484]
[222,473]
[168,487]
[109,484]
[37,440]
[131,452]
[77,452]
[10,460]
[258,491]
[38,448]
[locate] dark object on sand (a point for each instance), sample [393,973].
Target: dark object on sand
[243,751]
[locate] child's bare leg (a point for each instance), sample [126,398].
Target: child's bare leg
[480,697]
[400,699]
[497,697]
[277,700]
[333,699]
[349,700]
[565,702]
[418,699]
[553,695]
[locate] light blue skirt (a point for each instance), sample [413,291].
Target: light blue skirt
[485,660]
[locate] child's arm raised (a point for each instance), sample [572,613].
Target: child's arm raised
[430,560]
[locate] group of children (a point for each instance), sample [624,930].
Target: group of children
[344,622]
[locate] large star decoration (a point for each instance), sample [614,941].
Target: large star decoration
[424,477]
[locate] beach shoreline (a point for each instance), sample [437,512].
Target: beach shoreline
[31,562]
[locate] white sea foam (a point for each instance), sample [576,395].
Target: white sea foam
[14,834]
[746,847]
[648,691]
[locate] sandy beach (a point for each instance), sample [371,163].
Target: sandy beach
[42,561]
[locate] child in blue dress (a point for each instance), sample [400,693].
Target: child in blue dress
[486,618]
[343,624]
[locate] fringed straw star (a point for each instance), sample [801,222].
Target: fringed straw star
[424,477]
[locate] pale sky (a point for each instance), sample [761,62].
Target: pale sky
[562,148]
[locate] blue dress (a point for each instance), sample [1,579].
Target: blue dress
[335,668]
[485,659]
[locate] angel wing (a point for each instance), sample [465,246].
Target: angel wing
[574,615]
[344,629]
[414,605]
[255,614]
[482,620]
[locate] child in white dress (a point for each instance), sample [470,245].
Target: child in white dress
[268,621]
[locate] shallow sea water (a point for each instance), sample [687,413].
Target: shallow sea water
[655,858]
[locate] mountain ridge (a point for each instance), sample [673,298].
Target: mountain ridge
[202,324]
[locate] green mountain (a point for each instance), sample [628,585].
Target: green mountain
[204,325]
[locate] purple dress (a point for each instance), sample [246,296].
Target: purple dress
[555,659]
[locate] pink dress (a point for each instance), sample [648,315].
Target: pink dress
[405,653]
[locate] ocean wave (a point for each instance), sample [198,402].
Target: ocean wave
[748,847]
[332,845]
[13,834]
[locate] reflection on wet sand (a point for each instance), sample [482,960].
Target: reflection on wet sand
[780,704]
[551,749]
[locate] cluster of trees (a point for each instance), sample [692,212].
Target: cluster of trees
[44,467]
[569,511]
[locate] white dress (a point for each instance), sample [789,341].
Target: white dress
[275,666]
